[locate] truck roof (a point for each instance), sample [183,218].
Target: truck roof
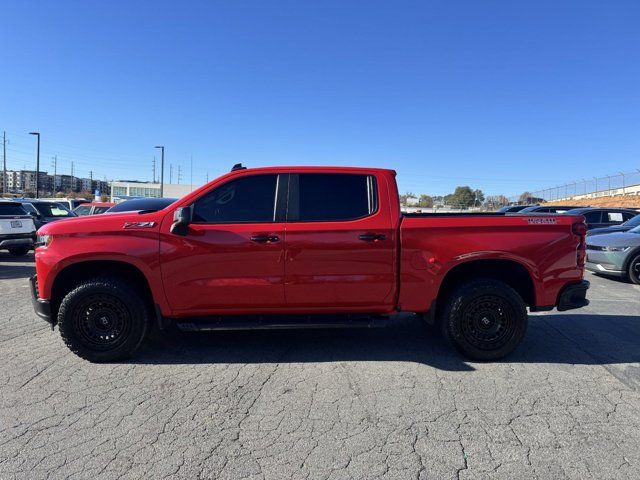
[319,169]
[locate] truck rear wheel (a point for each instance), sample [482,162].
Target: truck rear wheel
[103,320]
[484,319]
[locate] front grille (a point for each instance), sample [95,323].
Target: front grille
[596,248]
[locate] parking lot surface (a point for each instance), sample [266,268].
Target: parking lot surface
[393,403]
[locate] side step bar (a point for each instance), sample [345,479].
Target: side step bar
[280,322]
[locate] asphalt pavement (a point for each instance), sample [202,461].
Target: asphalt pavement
[392,403]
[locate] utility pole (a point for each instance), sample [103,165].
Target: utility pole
[170,173]
[207,176]
[154,169]
[37,165]
[55,167]
[179,174]
[4,162]
[161,171]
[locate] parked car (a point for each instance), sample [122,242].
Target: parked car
[615,254]
[92,208]
[326,243]
[623,227]
[68,203]
[603,217]
[512,208]
[44,212]
[17,229]
[142,205]
[557,209]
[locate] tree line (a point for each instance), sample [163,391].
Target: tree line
[465,197]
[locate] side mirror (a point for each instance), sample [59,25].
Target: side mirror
[181,220]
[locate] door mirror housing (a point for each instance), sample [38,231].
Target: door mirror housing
[181,219]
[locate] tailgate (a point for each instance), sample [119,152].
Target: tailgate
[16,224]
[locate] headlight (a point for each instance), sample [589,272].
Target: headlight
[43,240]
[616,249]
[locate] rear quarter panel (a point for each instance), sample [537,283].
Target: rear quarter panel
[432,246]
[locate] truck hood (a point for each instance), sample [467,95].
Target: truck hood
[618,239]
[601,231]
[100,223]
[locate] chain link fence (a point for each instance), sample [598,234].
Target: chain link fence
[621,183]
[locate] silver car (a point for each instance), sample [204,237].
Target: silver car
[616,254]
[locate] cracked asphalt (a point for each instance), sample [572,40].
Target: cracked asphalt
[392,403]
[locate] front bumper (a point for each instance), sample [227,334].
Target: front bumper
[607,263]
[573,296]
[42,307]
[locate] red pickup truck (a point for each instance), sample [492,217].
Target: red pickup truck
[303,247]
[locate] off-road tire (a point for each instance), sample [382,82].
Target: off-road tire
[103,320]
[19,251]
[484,319]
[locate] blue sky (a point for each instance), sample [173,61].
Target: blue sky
[501,95]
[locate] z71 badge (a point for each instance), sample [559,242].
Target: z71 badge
[545,220]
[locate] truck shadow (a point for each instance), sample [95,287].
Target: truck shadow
[16,267]
[560,338]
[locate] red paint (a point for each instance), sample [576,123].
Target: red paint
[315,266]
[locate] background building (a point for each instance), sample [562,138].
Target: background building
[132,188]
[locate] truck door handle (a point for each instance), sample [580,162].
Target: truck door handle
[372,237]
[264,238]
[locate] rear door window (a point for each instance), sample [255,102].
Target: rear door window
[328,197]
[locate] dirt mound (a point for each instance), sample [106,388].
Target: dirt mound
[627,201]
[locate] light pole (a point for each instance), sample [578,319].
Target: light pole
[37,165]
[161,147]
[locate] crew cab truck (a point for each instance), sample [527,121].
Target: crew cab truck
[303,246]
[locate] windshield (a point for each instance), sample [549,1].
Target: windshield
[47,209]
[142,204]
[82,210]
[633,222]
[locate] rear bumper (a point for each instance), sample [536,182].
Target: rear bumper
[41,307]
[16,240]
[573,296]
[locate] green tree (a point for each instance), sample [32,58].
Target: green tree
[464,197]
[425,201]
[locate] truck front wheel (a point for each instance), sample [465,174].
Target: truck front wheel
[484,319]
[103,320]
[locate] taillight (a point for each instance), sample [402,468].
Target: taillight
[579,229]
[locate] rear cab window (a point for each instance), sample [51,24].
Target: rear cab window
[331,197]
[11,209]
